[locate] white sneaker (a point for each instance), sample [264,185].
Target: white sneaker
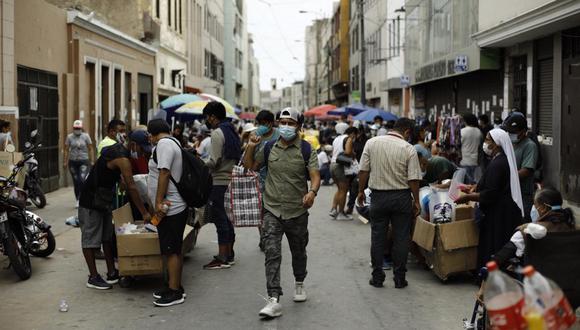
[272,309]
[333,213]
[299,292]
[343,217]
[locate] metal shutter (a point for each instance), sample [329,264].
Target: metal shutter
[545,94]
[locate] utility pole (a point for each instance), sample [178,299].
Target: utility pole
[363,54]
[328,58]
[317,61]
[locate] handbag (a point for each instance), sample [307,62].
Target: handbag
[353,169]
[243,198]
[343,159]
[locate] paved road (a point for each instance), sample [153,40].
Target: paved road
[339,294]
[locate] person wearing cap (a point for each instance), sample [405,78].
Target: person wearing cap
[527,153]
[287,198]
[78,156]
[225,152]
[140,148]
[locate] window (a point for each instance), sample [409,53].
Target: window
[180,24]
[162,76]
[169,12]
[157,8]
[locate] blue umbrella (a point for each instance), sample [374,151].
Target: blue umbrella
[370,115]
[175,101]
[351,109]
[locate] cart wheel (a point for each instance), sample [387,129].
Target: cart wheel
[126,281]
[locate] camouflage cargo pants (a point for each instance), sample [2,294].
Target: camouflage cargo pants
[296,230]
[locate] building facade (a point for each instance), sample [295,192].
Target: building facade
[205,47]
[317,63]
[448,73]
[338,49]
[235,52]
[540,43]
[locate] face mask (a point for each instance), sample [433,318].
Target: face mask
[534,214]
[486,149]
[77,132]
[262,129]
[514,138]
[288,133]
[121,138]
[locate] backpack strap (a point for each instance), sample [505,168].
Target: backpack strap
[306,150]
[267,149]
[154,156]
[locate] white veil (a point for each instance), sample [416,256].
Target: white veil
[502,139]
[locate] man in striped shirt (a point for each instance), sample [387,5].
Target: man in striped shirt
[391,167]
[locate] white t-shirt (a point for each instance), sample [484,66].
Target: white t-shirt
[382,131]
[337,146]
[168,157]
[204,148]
[471,139]
[322,159]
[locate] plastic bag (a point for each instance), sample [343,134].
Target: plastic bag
[424,194]
[456,183]
[441,207]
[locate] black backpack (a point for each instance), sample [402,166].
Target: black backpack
[305,149]
[196,181]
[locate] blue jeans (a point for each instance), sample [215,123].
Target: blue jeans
[79,170]
[218,215]
[325,174]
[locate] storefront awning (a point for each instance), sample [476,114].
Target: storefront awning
[539,22]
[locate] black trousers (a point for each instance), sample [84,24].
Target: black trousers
[394,207]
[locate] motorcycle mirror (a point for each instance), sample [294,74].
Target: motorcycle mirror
[33,133]
[10,148]
[27,145]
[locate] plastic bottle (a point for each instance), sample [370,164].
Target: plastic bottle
[504,300]
[63,307]
[155,220]
[549,299]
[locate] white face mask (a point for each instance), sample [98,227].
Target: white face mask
[486,149]
[534,214]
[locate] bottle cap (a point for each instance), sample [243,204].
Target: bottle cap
[491,266]
[529,270]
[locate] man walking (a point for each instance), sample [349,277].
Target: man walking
[165,165]
[95,217]
[290,162]
[225,152]
[391,167]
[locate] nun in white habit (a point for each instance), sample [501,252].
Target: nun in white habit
[499,196]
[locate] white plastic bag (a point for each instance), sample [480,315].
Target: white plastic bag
[424,194]
[441,207]
[456,183]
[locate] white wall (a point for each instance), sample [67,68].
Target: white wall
[493,12]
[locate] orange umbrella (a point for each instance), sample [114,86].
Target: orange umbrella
[320,110]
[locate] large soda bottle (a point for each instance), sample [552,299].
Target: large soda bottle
[504,300]
[549,298]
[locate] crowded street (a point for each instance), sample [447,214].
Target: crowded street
[290,164]
[340,297]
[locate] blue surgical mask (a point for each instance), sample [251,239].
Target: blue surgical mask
[262,129]
[534,214]
[514,137]
[287,133]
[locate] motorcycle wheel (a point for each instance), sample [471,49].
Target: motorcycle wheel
[47,246]
[37,197]
[19,258]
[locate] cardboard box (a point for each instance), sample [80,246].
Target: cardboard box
[449,247]
[7,161]
[465,211]
[139,254]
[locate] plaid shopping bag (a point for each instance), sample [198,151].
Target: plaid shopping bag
[243,199]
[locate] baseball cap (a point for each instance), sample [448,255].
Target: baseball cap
[77,124]
[249,127]
[289,113]
[515,122]
[141,137]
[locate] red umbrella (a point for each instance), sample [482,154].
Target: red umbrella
[328,118]
[247,115]
[320,110]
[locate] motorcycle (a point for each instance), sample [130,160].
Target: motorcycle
[15,237]
[32,175]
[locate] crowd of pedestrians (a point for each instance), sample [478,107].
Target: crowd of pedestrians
[378,167]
